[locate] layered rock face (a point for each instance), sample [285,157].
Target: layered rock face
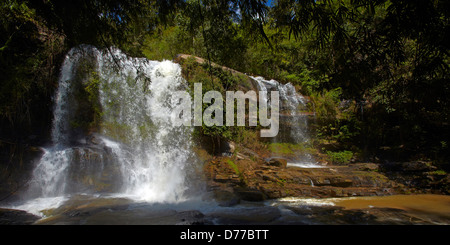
[247,180]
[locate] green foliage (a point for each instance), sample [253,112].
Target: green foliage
[389,59]
[165,43]
[28,53]
[85,87]
[326,104]
[92,89]
[379,55]
[438,172]
[248,137]
[281,148]
[341,157]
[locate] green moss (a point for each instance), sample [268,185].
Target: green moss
[438,172]
[372,175]
[233,166]
[92,89]
[281,182]
[280,148]
[289,149]
[85,87]
[117,131]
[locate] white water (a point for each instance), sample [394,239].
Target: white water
[301,201]
[138,147]
[50,174]
[137,135]
[157,153]
[291,105]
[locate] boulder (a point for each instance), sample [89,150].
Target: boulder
[250,195]
[225,198]
[278,162]
[269,178]
[412,167]
[16,217]
[341,182]
[366,166]
[418,166]
[227,148]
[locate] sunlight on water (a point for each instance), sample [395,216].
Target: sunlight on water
[138,140]
[38,205]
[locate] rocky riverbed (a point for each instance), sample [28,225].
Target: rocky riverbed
[244,188]
[233,179]
[393,210]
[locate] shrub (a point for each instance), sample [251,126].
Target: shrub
[340,157]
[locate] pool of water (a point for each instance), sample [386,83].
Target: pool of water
[95,209]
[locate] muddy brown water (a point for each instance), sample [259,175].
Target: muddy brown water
[397,209]
[429,204]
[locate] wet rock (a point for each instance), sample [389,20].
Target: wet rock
[256,216]
[95,140]
[222,178]
[366,166]
[414,166]
[267,177]
[16,170]
[320,181]
[92,170]
[417,166]
[226,198]
[312,211]
[335,215]
[267,180]
[16,217]
[341,182]
[250,195]
[278,162]
[193,217]
[227,148]
[417,177]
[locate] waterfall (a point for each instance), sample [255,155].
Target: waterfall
[50,174]
[291,104]
[294,123]
[135,149]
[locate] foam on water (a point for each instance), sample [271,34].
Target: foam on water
[136,128]
[38,205]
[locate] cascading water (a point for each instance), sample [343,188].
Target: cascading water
[142,108]
[293,122]
[114,132]
[136,150]
[49,176]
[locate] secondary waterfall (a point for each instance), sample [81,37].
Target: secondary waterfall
[113,130]
[293,123]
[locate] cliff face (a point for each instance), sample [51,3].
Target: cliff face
[232,179]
